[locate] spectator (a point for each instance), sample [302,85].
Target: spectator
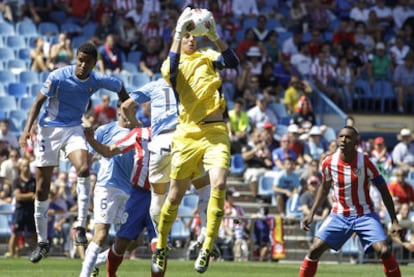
[404,81]
[272,46]
[401,13]
[61,53]
[296,90]
[284,70]
[399,51]
[361,37]
[403,152]
[248,84]
[291,45]
[357,60]
[315,44]
[381,157]
[261,32]
[6,135]
[226,28]
[104,112]
[130,36]
[100,7]
[255,58]
[245,9]
[270,137]
[238,126]
[282,152]
[304,117]
[9,169]
[258,160]
[306,202]
[359,13]
[298,15]
[261,113]
[244,45]
[263,226]
[268,81]
[400,190]
[312,169]
[229,78]
[302,61]
[315,146]
[286,185]
[152,28]
[38,56]
[324,75]
[152,57]
[295,144]
[318,16]
[383,13]
[79,11]
[39,10]
[24,187]
[138,14]
[344,36]
[374,29]
[6,194]
[103,30]
[345,80]
[110,57]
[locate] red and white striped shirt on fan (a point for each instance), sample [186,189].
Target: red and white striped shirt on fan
[350,183]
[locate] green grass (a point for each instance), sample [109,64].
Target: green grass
[59,267]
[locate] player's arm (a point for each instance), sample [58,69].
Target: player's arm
[31,118]
[106,151]
[128,111]
[321,195]
[122,94]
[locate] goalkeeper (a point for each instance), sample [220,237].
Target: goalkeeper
[201,140]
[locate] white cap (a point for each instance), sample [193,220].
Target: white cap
[405,132]
[315,131]
[293,128]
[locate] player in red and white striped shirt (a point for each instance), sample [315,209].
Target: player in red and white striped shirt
[350,173]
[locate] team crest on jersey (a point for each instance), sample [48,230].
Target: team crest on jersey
[48,84]
[357,171]
[124,218]
[90,89]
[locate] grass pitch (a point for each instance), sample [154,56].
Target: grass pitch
[60,267]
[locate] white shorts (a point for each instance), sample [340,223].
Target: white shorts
[51,140]
[160,158]
[108,205]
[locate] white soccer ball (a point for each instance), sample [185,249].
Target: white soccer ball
[201,19]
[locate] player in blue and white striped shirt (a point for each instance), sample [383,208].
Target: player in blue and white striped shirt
[65,95]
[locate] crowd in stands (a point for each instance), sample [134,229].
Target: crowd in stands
[350,50]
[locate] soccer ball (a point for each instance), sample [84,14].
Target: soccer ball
[201,19]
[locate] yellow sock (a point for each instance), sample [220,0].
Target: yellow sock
[215,211]
[167,218]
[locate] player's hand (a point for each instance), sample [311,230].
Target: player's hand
[23,140]
[184,23]
[397,233]
[212,31]
[305,224]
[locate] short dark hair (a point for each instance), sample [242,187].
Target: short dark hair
[88,48]
[353,129]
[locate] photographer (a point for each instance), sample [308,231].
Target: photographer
[294,92]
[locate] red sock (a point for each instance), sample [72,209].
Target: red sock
[308,268]
[391,268]
[113,263]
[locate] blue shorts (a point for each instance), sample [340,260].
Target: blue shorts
[136,216]
[337,229]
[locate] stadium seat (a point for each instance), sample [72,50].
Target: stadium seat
[131,68]
[139,79]
[58,16]
[330,134]
[249,23]
[134,57]
[279,109]
[25,103]
[5,225]
[293,207]
[24,54]
[26,29]
[6,29]
[89,29]
[265,187]
[281,129]
[8,103]
[70,28]
[48,29]
[273,23]
[237,165]
[17,90]
[28,77]
[16,66]
[363,94]
[78,41]
[7,77]
[5,55]
[16,118]
[123,77]
[179,231]
[190,200]
[15,42]
[34,89]
[383,91]
[2,90]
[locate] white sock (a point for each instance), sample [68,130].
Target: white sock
[83,189]
[91,255]
[157,200]
[102,258]
[40,216]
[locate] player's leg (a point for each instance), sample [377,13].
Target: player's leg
[203,188]
[77,153]
[41,205]
[371,232]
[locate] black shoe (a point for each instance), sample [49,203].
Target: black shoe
[80,236]
[41,251]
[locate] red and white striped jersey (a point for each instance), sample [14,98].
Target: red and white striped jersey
[350,183]
[138,139]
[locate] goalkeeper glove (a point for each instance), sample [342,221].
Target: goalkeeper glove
[212,32]
[184,23]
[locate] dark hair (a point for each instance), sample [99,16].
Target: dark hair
[89,49]
[353,129]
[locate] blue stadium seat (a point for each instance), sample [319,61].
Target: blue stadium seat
[184,211]
[273,23]
[89,29]
[139,79]
[28,77]
[123,77]
[5,55]
[179,231]
[130,67]
[79,40]
[58,16]
[265,187]
[6,29]
[16,118]
[7,103]
[26,28]
[190,200]
[249,23]
[330,134]
[6,77]
[5,225]
[279,109]
[25,103]
[2,90]
[48,29]
[283,36]
[15,42]
[293,207]
[383,91]
[237,165]
[24,54]
[363,94]
[134,57]
[16,66]
[17,90]
[70,28]
[281,129]
[34,89]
